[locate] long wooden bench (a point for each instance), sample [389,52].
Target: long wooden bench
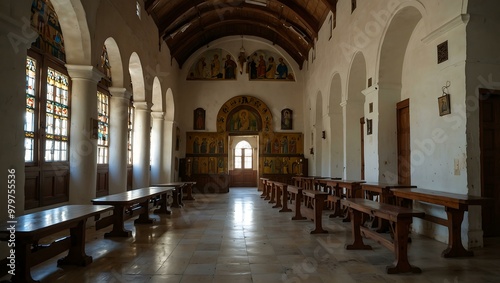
[177,192]
[128,204]
[29,229]
[313,203]
[295,199]
[401,217]
[454,204]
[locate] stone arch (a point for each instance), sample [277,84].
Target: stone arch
[353,112]
[77,41]
[137,77]
[335,134]
[169,105]
[157,98]
[115,60]
[237,103]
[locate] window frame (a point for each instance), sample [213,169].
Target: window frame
[242,158]
[104,91]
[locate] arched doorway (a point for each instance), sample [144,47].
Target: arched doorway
[243,160]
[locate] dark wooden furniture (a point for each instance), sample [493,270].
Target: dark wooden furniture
[263,186]
[296,201]
[130,203]
[31,228]
[383,193]
[177,192]
[400,216]
[338,190]
[187,191]
[282,190]
[454,204]
[209,183]
[313,203]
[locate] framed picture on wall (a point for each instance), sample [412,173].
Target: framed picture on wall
[444,105]
[286,119]
[199,119]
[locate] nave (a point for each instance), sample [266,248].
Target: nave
[239,237]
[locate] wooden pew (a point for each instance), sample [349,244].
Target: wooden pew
[31,228]
[312,207]
[282,196]
[296,201]
[187,190]
[400,216]
[177,192]
[128,204]
[338,190]
[454,204]
[382,192]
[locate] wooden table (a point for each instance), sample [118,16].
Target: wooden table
[30,228]
[122,204]
[338,190]
[263,185]
[455,205]
[176,193]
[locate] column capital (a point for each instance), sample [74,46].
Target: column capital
[84,72]
[120,92]
[143,105]
[158,115]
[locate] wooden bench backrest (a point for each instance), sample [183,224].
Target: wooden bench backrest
[382,210]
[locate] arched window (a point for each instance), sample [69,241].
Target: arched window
[243,156]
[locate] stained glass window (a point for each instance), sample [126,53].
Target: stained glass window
[130,132]
[103,134]
[30,122]
[243,156]
[56,116]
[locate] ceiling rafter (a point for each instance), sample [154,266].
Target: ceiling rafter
[331,4]
[191,44]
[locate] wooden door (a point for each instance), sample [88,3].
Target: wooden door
[403,136]
[489,109]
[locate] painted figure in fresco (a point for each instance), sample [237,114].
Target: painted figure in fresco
[244,121]
[282,69]
[261,68]
[271,68]
[220,145]
[293,145]
[220,165]
[285,165]
[200,120]
[229,68]
[252,66]
[286,120]
[276,146]
[215,67]
[284,145]
[199,71]
[212,146]
[196,145]
[267,148]
[203,147]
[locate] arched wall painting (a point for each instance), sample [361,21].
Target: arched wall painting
[207,152]
[268,65]
[213,64]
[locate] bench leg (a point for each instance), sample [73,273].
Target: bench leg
[278,197]
[285,201]
[298,204]
[401,264]
[144,216]
[319,202]
[23,263]
[118,224]
[356,232]
[273,195]
[76,254]
[163,209]
[455,247]
[176,194]
[189,192]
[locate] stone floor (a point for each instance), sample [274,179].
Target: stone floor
[238,237]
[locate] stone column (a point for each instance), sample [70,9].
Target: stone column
[169,132]
[157,147]
[83,145]
[16,37]
[142,132]
[118,123]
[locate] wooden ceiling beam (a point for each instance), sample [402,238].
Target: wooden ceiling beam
[169,18]
[331,4]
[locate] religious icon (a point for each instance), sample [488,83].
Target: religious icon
[199,119]
[286,119]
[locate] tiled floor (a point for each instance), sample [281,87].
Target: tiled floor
[238,237]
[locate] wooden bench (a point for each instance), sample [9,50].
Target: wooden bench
[401,217]
[177,192]
[128,204]
[338,190]
[313,204]
[29,229]
[295,200]
[187,190]
[454,204]
[282,196]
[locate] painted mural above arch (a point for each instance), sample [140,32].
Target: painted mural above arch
[237,114]
[213,64]
[267,65]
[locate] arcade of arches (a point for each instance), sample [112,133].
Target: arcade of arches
[94,102]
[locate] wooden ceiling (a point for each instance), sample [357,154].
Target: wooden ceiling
[187,25]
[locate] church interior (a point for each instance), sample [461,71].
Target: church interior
[218,122]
